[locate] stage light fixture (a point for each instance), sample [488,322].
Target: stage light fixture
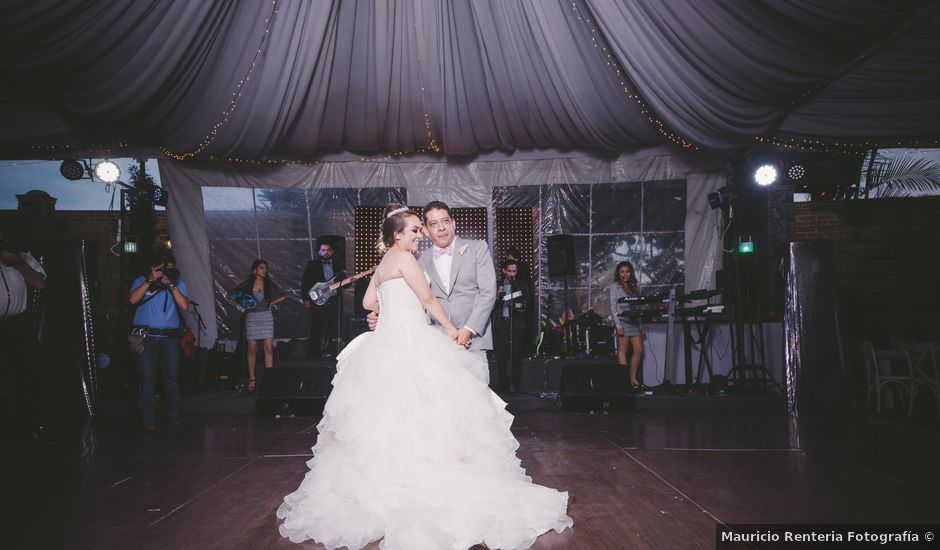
[714,200]
[721,198]
[796,171]
[107,172]
[130,247]
[766,174]
[745,245]
[72,169]
[159,196]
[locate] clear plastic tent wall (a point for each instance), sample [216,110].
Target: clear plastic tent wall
[648,207]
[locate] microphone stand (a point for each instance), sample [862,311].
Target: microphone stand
[339,321]
[512,355]
[200,326]
[339,310]
[511,301]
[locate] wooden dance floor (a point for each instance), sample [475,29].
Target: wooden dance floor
[649,479]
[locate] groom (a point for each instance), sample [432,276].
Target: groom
[462,278]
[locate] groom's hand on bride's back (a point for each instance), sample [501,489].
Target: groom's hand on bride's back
[373,319]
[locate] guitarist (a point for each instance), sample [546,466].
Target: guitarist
[323,319]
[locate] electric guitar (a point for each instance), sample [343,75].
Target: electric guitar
[320,293]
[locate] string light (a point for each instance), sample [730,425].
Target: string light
[431,143]
[645,110]
[844,147]
[236,94]
[809,144]
[105,150]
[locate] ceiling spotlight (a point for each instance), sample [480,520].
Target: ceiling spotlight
[72,169]
[796,172]
[107,171]
[765,175]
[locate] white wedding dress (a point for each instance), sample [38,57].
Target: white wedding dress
[415,449]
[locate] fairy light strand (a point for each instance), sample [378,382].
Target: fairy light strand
[834,145]
[844,147]
[633,94]
[236,94]
[809,144]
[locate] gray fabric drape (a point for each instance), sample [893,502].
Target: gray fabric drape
[296,78]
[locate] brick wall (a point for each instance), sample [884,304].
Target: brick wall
[100,228]
[887,261]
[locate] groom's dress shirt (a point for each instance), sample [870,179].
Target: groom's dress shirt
[443,260]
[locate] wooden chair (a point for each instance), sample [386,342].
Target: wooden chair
[887,368]
[926,373]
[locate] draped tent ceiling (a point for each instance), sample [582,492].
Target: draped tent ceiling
[452,98]
[300,79]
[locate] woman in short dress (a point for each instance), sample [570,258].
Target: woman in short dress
[259,321]
[629,332]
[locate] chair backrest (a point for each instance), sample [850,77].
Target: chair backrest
[893,363]
[867,352]
[923,358]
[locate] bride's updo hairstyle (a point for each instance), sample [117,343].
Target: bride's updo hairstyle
[394,222]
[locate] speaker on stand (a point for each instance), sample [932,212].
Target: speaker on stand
[561,264]
[588,387]
[335,326]
[299,390]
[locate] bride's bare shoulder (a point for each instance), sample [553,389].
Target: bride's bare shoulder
[391,265]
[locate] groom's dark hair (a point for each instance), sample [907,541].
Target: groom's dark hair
[433,205]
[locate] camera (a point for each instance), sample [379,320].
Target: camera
[170,273]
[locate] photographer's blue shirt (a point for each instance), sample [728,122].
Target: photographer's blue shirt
[157,310]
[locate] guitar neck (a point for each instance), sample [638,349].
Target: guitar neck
[348,280]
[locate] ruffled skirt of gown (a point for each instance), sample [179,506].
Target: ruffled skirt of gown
[415,449]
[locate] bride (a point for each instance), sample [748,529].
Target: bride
[413,447]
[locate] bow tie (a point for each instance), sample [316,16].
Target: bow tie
[449,251]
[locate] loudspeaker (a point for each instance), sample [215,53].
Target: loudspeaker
[224,369]
[561,255]
[586,387]
[300,391]
[601,340]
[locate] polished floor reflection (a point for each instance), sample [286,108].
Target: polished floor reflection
[656,479]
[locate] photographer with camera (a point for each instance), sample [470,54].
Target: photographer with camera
[155,338]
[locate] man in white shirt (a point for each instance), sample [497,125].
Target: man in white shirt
[462,278]
[19,272]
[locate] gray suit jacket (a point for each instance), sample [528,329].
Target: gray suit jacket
[472,289]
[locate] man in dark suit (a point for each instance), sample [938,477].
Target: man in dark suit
[523,273]
[522,267]
[510,324]
[323,318]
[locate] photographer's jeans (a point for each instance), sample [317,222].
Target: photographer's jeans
[162,352]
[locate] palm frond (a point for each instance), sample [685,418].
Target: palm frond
[903,176]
